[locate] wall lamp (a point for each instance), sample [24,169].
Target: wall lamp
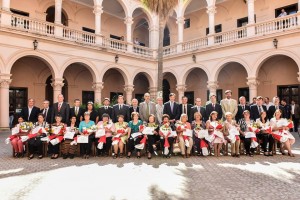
[275,43]
[194,58]
[35,44]
[116,59]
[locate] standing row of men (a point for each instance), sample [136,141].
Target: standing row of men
[172,108]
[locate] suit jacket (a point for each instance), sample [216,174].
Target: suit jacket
[80,114]
[64,112]
[209,108]
[49,115]
[254,111]
[143,110]
[202,112]
[131,110]
[176,112]
[286,111]
[272,110]
[230,106]
[239,114]
[124,111]
[108,111]
[296,111]
[189,107]
[33,115]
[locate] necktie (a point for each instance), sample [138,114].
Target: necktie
[76,111]
[213,106]
[59,106]
[184,109]
[260,110]
[198,108]
[45,113]
[243,108]
[171,104]
[147,110]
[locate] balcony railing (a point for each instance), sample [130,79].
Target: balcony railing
[170,50]
[140,50]
[79,36]
[194,44]
[277,25]
[230,36]
[114,44]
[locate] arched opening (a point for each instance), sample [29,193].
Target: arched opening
[141,33]
[278,77]
[113,85]
[50,17]
[233,76]
[141,86]
[29,75]
[169,85]
[167,39]
[49,90]
[80,81]
[196,85]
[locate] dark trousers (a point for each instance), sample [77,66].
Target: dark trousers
[171,141]
[106,146]
[54,148]
[85,148]
[150,142]
[247,144]
[267,138]
[132,142]
[197,144]
[296,123]
[35,144]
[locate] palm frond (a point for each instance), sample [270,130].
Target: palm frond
[163,8]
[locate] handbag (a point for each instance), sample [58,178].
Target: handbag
[176,148]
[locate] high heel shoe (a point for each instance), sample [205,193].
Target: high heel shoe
[128,155]
[291,155]
[30,157]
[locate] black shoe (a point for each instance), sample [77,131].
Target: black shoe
[71,156]
[115,156]
[40,157]
[30,157]
[65,156]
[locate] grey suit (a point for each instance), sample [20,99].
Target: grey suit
[143,110]
[229,105]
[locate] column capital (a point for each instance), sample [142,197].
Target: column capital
[4,83]
[153,89]
[153,28]
[98,9]
[181,87]
[128,20]
[180,20]
[212,85]
[128,88]
[250,1]
[57,83]
[252,82]
[98,86]
[211,10]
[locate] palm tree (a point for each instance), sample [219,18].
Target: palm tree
[163,8]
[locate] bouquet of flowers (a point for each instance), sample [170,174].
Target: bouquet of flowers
[92,129]
[166,130]
[25,126]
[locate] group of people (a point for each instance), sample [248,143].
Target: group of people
[167,127]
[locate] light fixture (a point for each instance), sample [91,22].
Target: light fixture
[35,44]
[116,59]
[194,58]
[275,43]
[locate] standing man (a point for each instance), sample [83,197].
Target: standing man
[197,108]
[159,109]
[295,112]
[228,104]
[77,112]
[47,112]
[31,112]
[256,109]
[268,103]
[134,106]
[276,105]
[147,108]
[253,101]
[62,109]
[185,108]
[171,108]
[241,108]
[213,106]
[286,109]
[105,109]
[121,109]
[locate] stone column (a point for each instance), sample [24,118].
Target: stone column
[180,25]
[211,11]
[252,83]
[128,89]
[98,87]
[57,85]
[5,14]
[212,86]
[6,5]
[4,102]
[129,22]
[154,35]
[153,93]
[251,18]
[181,89]
[98,13]
[58,31]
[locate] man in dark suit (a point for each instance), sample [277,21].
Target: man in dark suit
[47,111]
[134,106]
[257,108]
[30,113]
[185,107]
[62,109]
[241,108]
[171,108]
[77,112]
[121,109]
[273,108]
[213,106]
[197,108]
[286,109]
[105,109]
[295,112]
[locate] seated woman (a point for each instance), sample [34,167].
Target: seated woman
[266,137]
[281,132]
[36,143]
[184,141]
[17,143]
[85,148]
[134,127]
[231,131]
[122,129]
[151,138]
[109,127]
[68,150]
[245,123]
[165,130]
[198,124]
[212,125]
[55,148]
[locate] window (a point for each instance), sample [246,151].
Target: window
[115,37]
[289,93]
[88,30]
[187,23]
[290,9]
[190,96]
[88,96]
[244,92]
[218,29]
[19,12]
[17,99]
[243,21]
[219,95]
[114,97]
[139,97]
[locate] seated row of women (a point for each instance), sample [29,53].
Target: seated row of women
[179,137]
